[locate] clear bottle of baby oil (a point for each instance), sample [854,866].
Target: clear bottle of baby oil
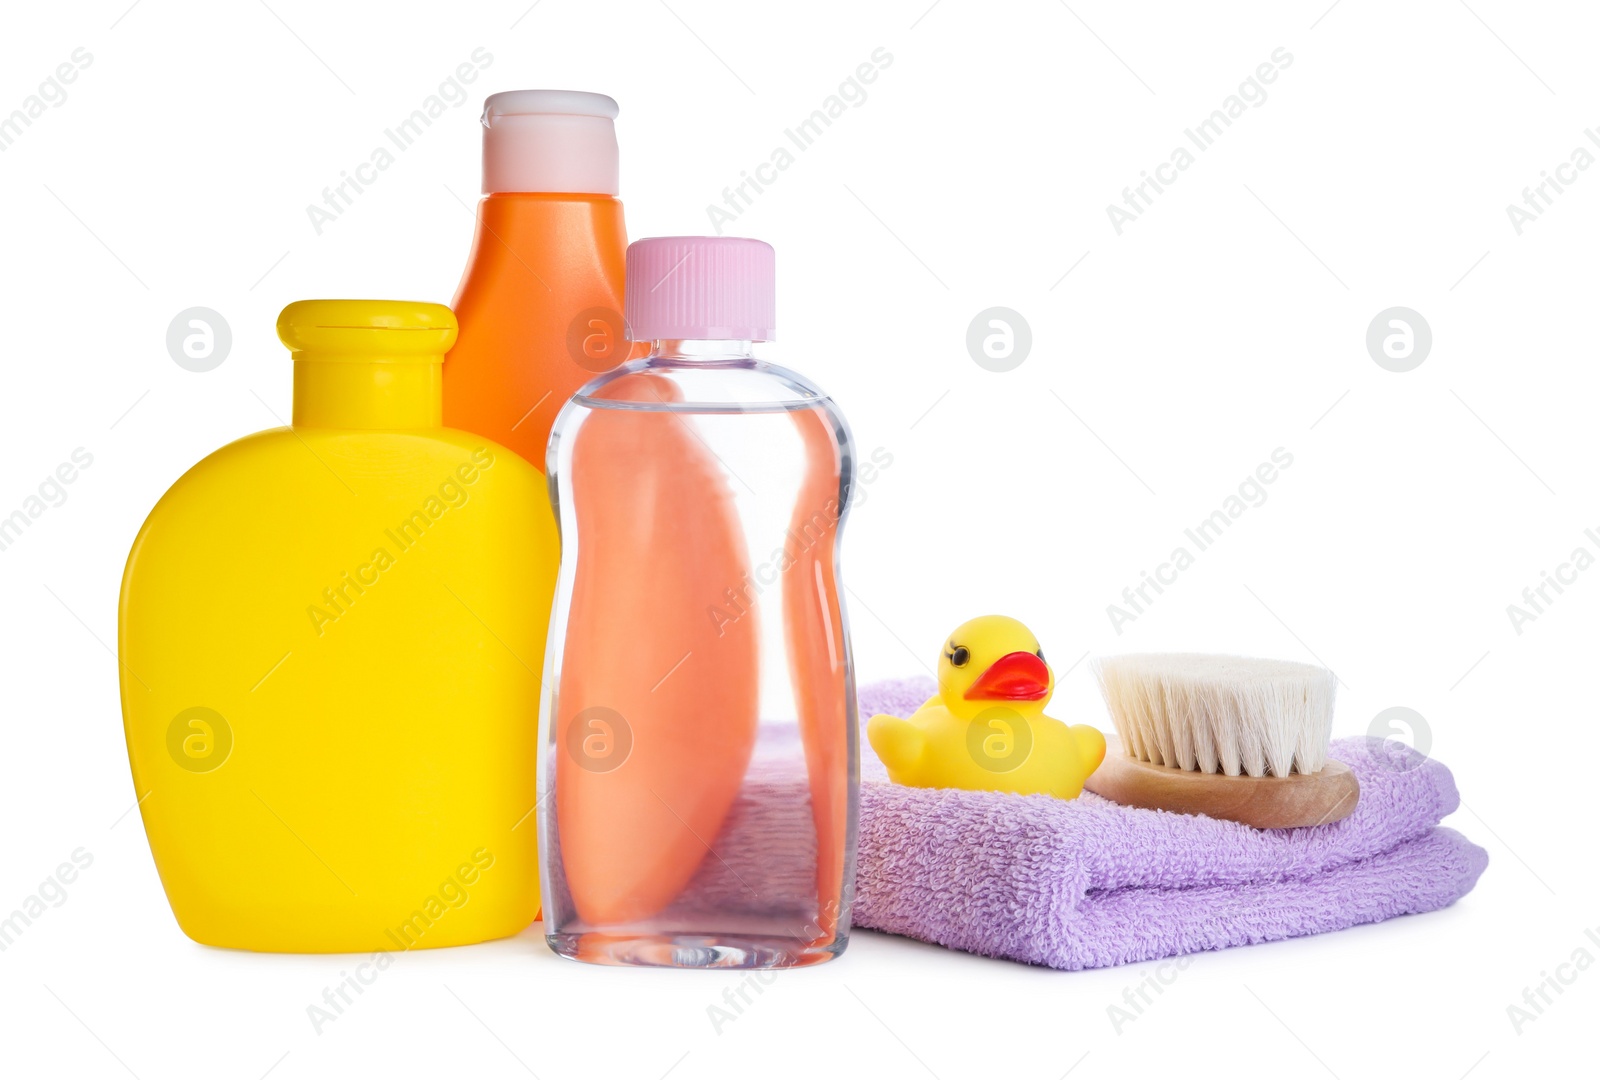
[698,730]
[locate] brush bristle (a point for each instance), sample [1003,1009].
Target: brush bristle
[1220,714]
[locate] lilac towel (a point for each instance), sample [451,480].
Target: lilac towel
[1089,883]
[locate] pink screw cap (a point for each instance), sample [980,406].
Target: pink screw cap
[716,288]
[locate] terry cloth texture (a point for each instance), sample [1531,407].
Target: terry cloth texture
[1088,883]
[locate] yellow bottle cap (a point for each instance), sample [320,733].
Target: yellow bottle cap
[396,331]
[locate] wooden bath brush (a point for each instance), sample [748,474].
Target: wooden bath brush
[1229,737]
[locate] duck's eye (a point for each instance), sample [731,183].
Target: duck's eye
[959,656]
[1039,653]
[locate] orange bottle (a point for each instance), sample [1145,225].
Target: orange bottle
[657,722]
[540,313]
[540,304]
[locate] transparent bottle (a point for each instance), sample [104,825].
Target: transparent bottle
[698,772]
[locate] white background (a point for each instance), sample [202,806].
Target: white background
[1227,321]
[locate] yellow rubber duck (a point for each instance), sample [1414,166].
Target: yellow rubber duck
[985,730]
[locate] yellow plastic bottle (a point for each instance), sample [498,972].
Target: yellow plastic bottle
[332,636]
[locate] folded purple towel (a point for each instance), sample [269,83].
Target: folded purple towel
[1089,883]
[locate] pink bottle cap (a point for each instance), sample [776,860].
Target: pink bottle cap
[701,288]
[549,140]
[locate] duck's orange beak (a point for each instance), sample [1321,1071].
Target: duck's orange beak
[1018,676]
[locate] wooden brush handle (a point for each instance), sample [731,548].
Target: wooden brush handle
[1267,802]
